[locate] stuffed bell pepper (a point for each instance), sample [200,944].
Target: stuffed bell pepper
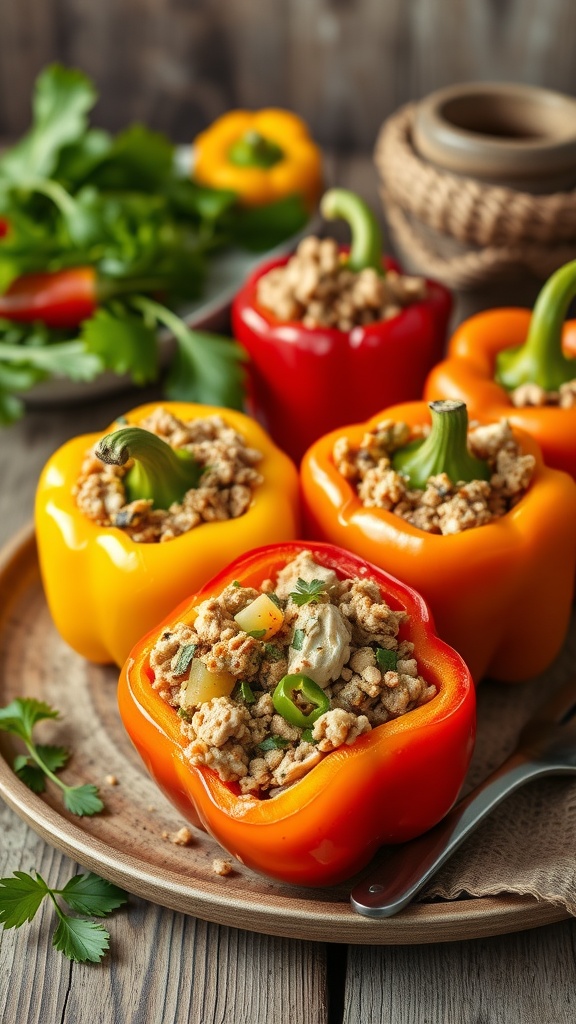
[334,335]
[521,365]
[295,707]
[131,521]
[473,520]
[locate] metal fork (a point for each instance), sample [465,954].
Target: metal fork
[546,746]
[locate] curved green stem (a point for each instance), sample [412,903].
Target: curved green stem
[366,247]
[255,150]
[160,472]
[540,360]
[445,450]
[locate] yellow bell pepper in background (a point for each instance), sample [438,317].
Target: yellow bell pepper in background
[263,156]
[104,590]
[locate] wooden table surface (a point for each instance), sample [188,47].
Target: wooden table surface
[166,968]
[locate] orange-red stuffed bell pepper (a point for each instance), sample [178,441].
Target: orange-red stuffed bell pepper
[326,825]
[104,588]
[497,357]
[501,592]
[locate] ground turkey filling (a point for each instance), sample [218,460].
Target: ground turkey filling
[346,640]
[224,492]
[443,507]
[533,395]
[316,288]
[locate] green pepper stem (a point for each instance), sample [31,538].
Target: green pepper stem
[160,472]
[366,246]
[445,450]
[255,150]
[540,360]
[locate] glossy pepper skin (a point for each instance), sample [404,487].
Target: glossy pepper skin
[481,355]
[264,156]
[62,298]
[500,593]
[103,589]
[305,381]
[328,824]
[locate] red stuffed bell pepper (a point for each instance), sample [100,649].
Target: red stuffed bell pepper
[349,337]
[326,825]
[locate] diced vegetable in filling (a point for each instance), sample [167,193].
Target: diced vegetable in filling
[443,506]
[227,479]
[268,682]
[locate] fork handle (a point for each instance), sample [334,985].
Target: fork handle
[395,883]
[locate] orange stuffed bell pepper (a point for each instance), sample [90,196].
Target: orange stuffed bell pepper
[521,365]
[108,580]
[500,592]
[341,802]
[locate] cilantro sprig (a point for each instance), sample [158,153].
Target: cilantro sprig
[308,593]
[22,895]
[41,762]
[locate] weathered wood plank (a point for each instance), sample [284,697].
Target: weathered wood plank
[344,66]
[512,979]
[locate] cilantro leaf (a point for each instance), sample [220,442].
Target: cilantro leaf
[273,743]
[122,343]
[19,718]
[387,660]
[30,774]
[256,634]
[52,757]
[273,652]
[20,898]
[11,408]
[182,660]
[82,800]
[66,359]
[206,367]
[90,894]
[62,99]
[81,940]
[298,639]
[21,715]
[263,227]
[307,593]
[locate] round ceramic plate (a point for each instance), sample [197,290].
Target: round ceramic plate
[130,842]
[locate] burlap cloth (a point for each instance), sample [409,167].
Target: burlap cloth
[528,845]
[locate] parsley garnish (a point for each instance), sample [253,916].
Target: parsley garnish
[243,691]
[298,639]
[256,634]
[306,593]
[275,599]
[387,660]
[181,660]
[19,718]
[273,743]
[79,939]
[307,736]
[272,652]
[236,583]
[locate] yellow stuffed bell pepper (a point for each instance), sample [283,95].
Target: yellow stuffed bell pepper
[104,588]
[264,156]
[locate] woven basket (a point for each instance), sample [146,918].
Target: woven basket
[472,236]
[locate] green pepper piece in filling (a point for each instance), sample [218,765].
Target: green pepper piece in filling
[160,472]
[283,700]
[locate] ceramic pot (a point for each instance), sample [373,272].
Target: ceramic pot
[519,136]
